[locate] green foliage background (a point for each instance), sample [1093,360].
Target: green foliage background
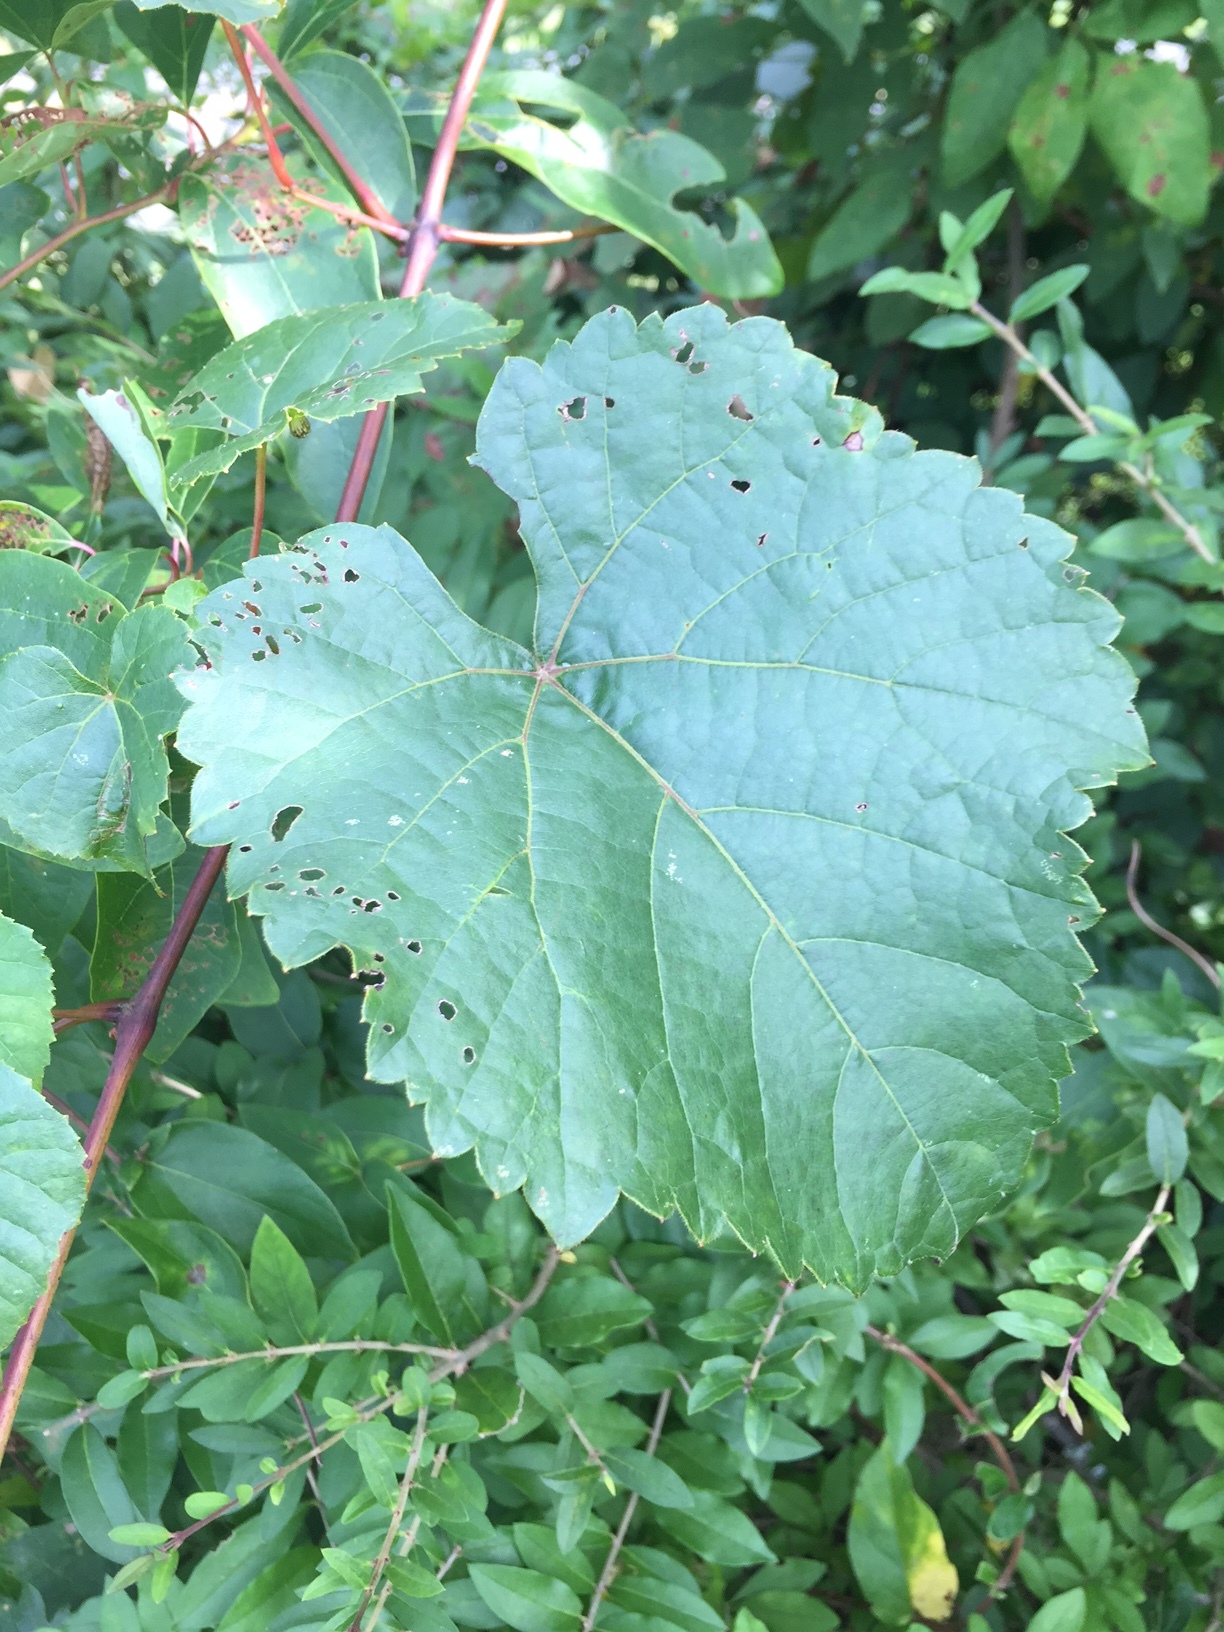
[803,1474]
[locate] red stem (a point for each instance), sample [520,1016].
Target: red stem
[425,236]
[369,201]
[275,157]
[261,490]
[135,1027]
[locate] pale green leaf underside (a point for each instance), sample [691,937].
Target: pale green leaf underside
[327,364]
[25,1001]
[747,894]
[42,1191]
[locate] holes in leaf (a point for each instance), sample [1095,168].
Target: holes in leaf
[256,585]
[761,540]
[469,1056]
[315,606]
[244,849]
[741,487]
[738,409]
[284,820]
[309,875]
[860,808]
[78,614]
[277,884]
[609,402]
[388,1027]
[373,906]
[815,441]
[272,645]
[339,889]
[447,1009]
[854,442]
[684,353]
[104,611]
[575,409]
[1022,544]
[414,947]
[391,896]
[252,609]
[258,657]
[351,577]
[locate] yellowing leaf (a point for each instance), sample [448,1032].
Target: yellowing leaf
[929,1572]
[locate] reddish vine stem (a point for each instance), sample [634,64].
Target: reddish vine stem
[79,226]
[976,1426]
[1148,922]
[136,1026]
[423,245]
[365,196]
[275,157]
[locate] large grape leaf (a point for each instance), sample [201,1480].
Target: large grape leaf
[42,1191]
[327,365]
[746,891]
[86,701]
[25,1001]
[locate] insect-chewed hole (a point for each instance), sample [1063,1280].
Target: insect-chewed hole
[388,1027]
[339,889]
[860,808]
[252,609]
[1022,544]
[469,1056]
[414,947]
[284,820]
[854,442]
[315,606]
[609,402]
[244,849]
[277,884]
[270,642]
[447,1009]
[104,611]
[741,487]
[575,408]
[738,408]
[258,657]
[351,577]
[391,896]
[683,354]
[310,874]
[761,540]
[379,957]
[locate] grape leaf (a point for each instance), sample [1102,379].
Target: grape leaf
[327,364]
[86,697]
[25,998]
[42,1191]
[745,892]
[603,167]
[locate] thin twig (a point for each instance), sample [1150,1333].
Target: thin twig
[975,1425]
[135,1027]
[356,1345]
[370,203]
[1146,919]
[83,225]
[311,1477]
[1151,1223]
[1089,426]
[423,247]
[383,1556]
[608,1573]
[1003,422]
[767,1337]
[275,157]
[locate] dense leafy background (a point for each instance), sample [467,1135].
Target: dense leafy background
[837,1488]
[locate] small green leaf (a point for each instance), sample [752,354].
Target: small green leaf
[1140,539]
[413,1580]
[202,1504]
[1064,1612]
[174,39]
[1135,1323]
[119,1390]
[716,1531]
[946,333]
[544,1383]
[526,1599]
[1047,292]
[1203,1503]
[281,1288]
[140,1535]
[1167,1146]
[25,998]
[652,1479]
[117,415]
[576,1313]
